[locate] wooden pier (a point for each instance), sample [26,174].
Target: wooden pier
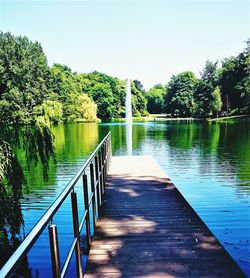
[147,229]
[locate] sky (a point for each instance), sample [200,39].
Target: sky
[145,40]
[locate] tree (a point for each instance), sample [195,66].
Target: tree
[63,82]
[216,102]
[179,99]
[50,111]
[210,74]
[244,85]
[24,77]
[107,92]
[103,97]
[204,90]
[234,76]
[79,107]
[139,86]
[139,102]
[155,99]
[67,90]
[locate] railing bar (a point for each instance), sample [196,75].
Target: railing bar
[90,199]
[98,193]
[96,184]
[100,172]
[93,197]
[82,221]
[69,256]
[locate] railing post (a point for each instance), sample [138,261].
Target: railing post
[76,234]
[54,250]
[98,185]
[92,181]
[110,146]
[100,170]
[104,162]
[86,205]
[110,151]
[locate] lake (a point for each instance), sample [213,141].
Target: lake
[209,163]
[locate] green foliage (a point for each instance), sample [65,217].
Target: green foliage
[155,99]
[139,86]
[37,143]
[64,82]
[50,111]
[180,97]
[203,94]
[224,90]
[139,102]
[216,103]
[109,94]
[32,92]
[68,89]
[209,74]
[24,75]
[106,92]
[103,96]
[80,107]
[244,85]
[234,82]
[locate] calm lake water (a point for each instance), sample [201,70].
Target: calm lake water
[208,162]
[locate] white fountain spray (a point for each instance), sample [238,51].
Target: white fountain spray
[129,119]
[128,103]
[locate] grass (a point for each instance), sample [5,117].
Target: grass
[166,117]
[227,118]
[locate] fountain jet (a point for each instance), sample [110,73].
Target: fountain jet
[129,119]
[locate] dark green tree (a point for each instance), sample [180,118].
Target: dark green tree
[107,93]
[206,99]
[234,76]
[244,85]
[139,86]
[179,100]
[24,78]
[103,97]
[155,99]
[139,102]
[67,90]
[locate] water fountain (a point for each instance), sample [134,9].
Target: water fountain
[129,119]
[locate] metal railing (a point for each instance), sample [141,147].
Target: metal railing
[97,166]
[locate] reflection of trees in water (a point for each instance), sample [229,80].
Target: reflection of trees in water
[37,143]
[38,146]
[235,150]
[228,142]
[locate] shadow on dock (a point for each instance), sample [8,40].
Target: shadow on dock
[147,229]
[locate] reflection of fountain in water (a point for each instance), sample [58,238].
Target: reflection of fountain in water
[129,120]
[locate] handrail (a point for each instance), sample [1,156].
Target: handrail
[102,153]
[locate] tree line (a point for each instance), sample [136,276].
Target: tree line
[220,91]
[31,91]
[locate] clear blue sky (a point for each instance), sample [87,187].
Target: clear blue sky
[145,40]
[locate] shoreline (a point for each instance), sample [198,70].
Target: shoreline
[162,117]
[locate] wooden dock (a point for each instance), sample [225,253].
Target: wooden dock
[147,229]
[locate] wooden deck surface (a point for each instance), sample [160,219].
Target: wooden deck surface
[147,229]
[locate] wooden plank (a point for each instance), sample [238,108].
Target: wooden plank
[147,229]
